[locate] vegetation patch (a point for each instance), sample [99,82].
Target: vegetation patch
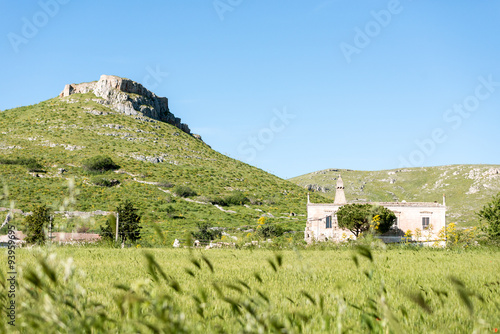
[270,231]
[235,198]
[104,182]
[184,191]
[31,163]
[99,164]
[165,184]
[206,233]
[490,215]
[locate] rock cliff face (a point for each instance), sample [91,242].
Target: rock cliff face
[127,97]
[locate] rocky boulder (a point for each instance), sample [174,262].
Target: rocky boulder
[127,97]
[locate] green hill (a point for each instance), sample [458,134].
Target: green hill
[467,187]
[154,158]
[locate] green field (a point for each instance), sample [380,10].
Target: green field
[404,290]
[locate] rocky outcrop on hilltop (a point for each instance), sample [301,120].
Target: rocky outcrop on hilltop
[127,97]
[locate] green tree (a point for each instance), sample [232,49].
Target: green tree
[129,224]
[35,224]
[357,218]
[129,227]
[490,214]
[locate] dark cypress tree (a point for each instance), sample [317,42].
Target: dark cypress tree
[129,227]
[35,224]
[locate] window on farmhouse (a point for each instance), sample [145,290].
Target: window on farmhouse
[395,224]
[425,223]
[329,222]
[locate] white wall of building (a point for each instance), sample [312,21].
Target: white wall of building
[410,216]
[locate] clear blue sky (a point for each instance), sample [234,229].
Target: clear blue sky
[357,84]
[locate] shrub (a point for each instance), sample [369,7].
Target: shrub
[270,231]
[255,201]
[99,164]
[34,167]
[205,233]
[184,191]
[16,161]
[490,214]
[236,198]
[204,199]
[167,208]
[269,201]
[4,161]
[30,163]
[218,201]
[455,236]
[165,184]
[168,198]
[104,182]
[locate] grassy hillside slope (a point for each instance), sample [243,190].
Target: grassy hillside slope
[467,187]
[63,132]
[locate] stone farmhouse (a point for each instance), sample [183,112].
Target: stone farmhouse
[428,218]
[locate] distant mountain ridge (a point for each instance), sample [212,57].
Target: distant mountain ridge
[467,187]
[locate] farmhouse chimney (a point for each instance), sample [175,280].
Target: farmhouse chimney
[339,193]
